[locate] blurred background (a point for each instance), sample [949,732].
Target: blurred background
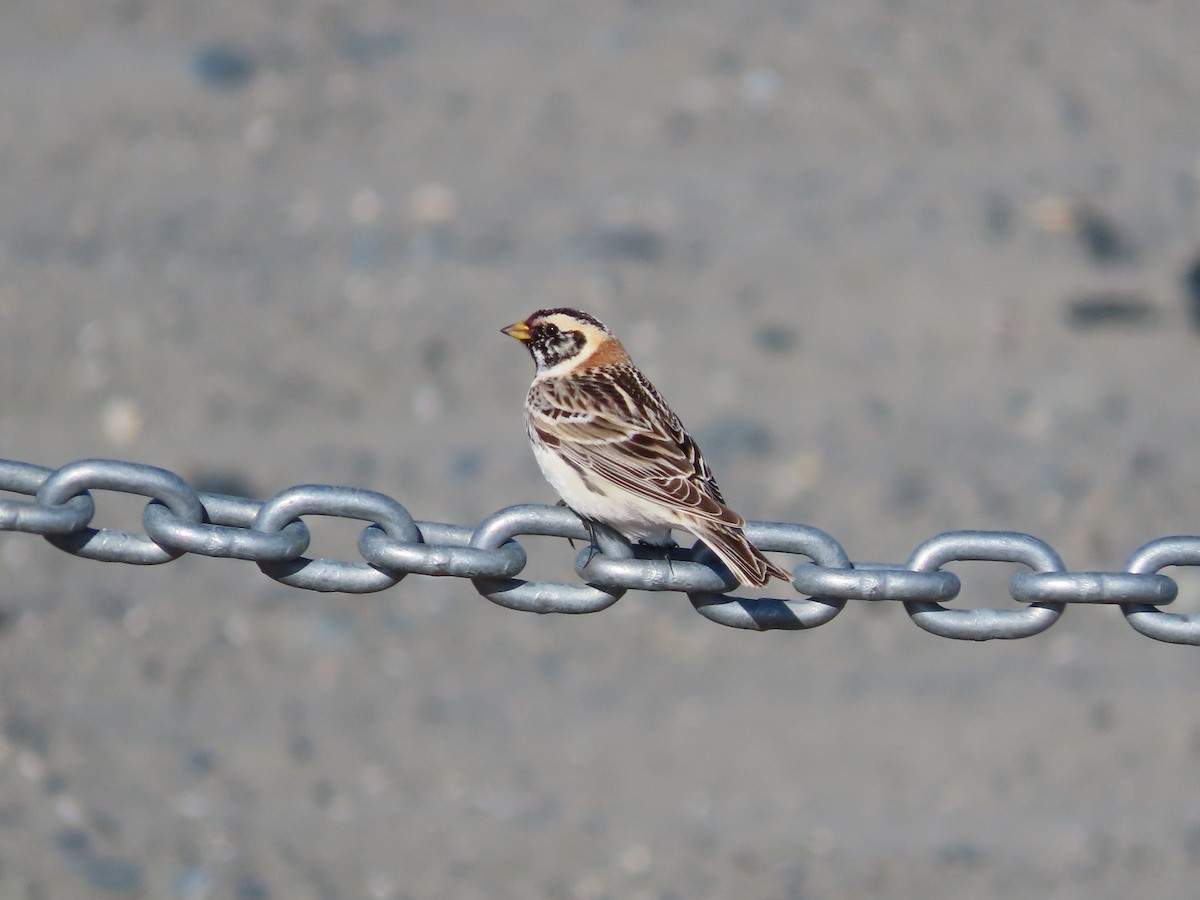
[901,267]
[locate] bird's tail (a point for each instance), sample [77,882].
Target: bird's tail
[744,560]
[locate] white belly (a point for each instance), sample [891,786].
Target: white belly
[601,500]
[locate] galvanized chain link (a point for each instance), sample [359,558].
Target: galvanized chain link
[178,520]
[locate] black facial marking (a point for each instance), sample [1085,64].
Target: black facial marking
[549,345]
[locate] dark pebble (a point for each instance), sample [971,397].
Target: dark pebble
[1101,309]
[777,338]
[110,606]
[300,748]
[467,464]
[1148,462]
[27,732]
[109,873]
[999,216]
[112,873]
[251,887]
[434,353]
[322,793]
[73,842]
[200,761]
[1191,292]
[1074,112]
[222,67]
[1100,237]
[961,854]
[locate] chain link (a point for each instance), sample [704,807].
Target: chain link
[178,520]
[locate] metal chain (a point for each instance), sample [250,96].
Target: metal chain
[177,520]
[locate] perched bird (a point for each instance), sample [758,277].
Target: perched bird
[615,452]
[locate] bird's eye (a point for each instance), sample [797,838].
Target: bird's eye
[551,329]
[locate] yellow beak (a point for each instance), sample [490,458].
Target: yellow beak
[518,330]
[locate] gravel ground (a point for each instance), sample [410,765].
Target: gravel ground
[901,267]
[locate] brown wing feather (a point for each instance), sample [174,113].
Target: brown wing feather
[743,559]
[613,423]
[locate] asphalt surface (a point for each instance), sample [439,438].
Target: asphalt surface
[902,268]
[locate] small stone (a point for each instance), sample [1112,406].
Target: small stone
[201,761]
[1098,235]
[121,420]
[467,463]
[433,203]
[998,216]
[1088,311]
[1148,462]
[300,748]
[1191,292]
[1074,112]
[777,338]
[25,731]
[109,873]
[113,873]
[323,794]
[73,842]
[435,351]
[961,854]
[222,67]
[251,887]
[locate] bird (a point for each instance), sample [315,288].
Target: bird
[615,452]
